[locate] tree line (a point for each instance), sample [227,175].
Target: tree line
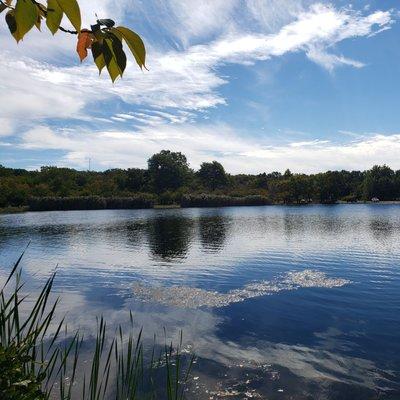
[169,179]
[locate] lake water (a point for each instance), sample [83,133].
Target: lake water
[277,302]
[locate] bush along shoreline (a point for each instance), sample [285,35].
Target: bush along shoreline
[151,202]
[140,202]
[90,203]
[207,200]
[40,359]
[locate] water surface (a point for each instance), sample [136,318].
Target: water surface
[277,302]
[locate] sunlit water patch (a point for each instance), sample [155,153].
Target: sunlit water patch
[190,297]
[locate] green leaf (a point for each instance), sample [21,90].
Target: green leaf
[38,23]
[41,14]
[119,53]
[135,44]
[72,11]
[24,383]
[98,56]
[12,24]
[26,15]
[111,62]
[114,56]
[54,16]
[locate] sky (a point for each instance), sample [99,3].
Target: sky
[258,85]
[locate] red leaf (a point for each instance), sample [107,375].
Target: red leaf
[85,40]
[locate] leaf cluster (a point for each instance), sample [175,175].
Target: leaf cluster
[15,382]
[106,44]
[103,39]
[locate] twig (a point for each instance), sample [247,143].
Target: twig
[5,5]
[67,31]
[41,6]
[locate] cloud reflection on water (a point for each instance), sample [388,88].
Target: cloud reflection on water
[332,331]
[295,366]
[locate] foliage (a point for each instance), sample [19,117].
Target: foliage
[16,383]
[37,362]
[103,39]
[381,182]
[213,175]
[90,203]
[169,179]
[207,200]
[168,170]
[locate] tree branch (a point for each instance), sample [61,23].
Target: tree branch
[5,5]
[42,7]
[67,31]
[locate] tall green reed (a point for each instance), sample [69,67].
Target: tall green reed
[40,359]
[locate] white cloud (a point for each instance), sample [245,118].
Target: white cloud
[25,96]
[208,142]
[321,27]
[155,117]
[191,19]
[272,14]
[181,80]
[178,86]
[331,61]
[6,126]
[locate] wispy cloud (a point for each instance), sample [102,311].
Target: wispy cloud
[207,142]
[155,117]
[179,79]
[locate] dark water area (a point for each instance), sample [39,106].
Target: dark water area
[276,302]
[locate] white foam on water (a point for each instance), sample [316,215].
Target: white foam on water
[189,297]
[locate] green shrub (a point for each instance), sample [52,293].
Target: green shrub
[90,203]
[351,198]
[206,200]
[167,198]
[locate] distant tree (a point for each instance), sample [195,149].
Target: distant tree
[397,185]
[329,186]
[168,170]
[261,181]
[287,173]
[212,175]
[5,171]
[136,179]
[380,182]
[300,188]
[275,175]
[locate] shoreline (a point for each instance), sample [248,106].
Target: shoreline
[14,210]
[24,209]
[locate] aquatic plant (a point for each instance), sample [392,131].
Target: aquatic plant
[40,359]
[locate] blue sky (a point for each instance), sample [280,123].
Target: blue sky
[259,85]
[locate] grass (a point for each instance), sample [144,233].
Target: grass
[166,206]
[42,360]
[13,210]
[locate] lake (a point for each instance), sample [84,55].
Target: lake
[277,302]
